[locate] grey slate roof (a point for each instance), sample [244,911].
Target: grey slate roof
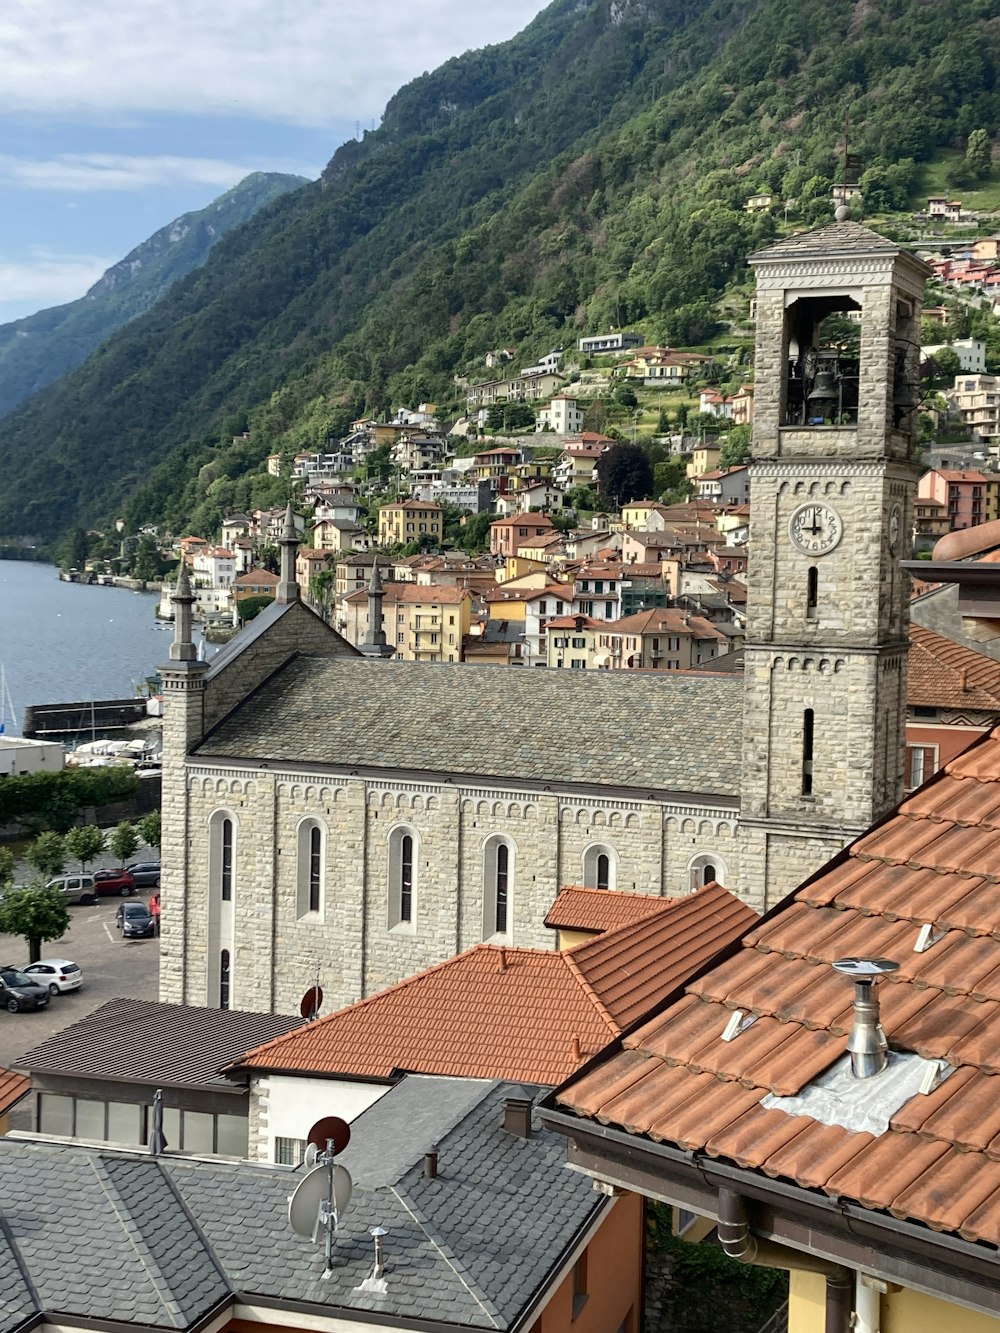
[834,238]
[647,731]
[121,1236]
[145,1041]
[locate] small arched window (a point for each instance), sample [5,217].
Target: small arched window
[600,867]
[706,868]
[311,868]
[498,887]
[226,861]
[224,978]
[404,850]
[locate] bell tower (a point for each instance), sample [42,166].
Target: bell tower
[833,478]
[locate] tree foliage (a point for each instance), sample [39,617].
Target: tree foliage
[54,800]
[624,474]
[149,828]
[123,841]
[47,854]
[83,843]
[735,448]
[35,913]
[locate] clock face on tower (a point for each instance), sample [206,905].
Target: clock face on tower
[815,528]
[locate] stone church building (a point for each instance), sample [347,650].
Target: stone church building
[331,815]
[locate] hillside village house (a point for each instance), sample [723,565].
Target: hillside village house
[665,639]
[977,398]
[563,416]
[963,492]
[422,624]
[577,462]
[971,353]
[505,533]
[730,486]
[598,344]
[254,583]
[704,458]
[408,521]
[326,811]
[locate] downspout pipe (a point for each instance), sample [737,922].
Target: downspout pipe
[739,1243]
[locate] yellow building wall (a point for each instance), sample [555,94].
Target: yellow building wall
[903,1311]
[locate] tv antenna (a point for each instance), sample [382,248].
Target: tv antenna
[323,1195]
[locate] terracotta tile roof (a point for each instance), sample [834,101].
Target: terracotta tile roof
[944,674]
[577,908]
[935,861]
[13,1087]
[532,1015]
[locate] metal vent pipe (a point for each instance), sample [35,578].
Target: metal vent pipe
[867,1045]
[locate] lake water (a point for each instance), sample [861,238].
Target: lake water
[69,642]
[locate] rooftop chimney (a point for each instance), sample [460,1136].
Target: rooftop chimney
[867,1045]
[517,1116]
[431,1163]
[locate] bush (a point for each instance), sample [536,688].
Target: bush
[54,800]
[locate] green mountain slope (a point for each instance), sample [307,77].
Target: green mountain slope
[593,170]
[40,348]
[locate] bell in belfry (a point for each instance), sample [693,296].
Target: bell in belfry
[822,401]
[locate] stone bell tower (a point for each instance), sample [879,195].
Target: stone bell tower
[833,478]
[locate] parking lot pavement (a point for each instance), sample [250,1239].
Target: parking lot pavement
[111,968]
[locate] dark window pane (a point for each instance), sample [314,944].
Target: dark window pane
[603,871]
[227,860]
[501,889]
[224,979]
[406,879]
[315,863]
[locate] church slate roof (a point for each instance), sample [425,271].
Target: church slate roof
[655,731]
[834,238]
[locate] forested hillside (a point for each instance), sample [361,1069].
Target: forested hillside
[592,171]
[36,350]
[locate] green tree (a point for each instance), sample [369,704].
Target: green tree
[582,497]
[252,606]
[979,155]
[941,368]
[6,865]
[84,842]
[36,913]
[47,854]
[149,829]
[624,474]
[735,448]
[670,481]
[625,395]
[123,841]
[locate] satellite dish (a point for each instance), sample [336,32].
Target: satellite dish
[330,1127]
[309,1006]
[310,1155]
[313,1190]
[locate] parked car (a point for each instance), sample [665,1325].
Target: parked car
[134,921]
[75,888]
[59,974]
[19,991]
[146,873]
[115,881]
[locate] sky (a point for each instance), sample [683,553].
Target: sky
[116,116]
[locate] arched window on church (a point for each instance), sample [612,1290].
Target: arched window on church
[498,888]
[311,868]
[705,868]
[223,882]
[226,861]
[600,867]
[812,591]
[404,848]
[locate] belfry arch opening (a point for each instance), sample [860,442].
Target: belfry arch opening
[823,370]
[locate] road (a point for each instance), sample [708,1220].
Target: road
[111,968]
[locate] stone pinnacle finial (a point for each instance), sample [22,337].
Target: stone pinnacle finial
[288,589]
[375,644]
[183,648]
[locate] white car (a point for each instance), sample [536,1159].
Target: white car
[59,974]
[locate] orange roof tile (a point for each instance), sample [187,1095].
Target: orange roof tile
[577,908]
[13,1087]
[935,861]
[526,1014]
[944,674]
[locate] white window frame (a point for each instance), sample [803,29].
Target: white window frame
[396,922]
[491,846]
[590,856]
[696,870]
[303,869]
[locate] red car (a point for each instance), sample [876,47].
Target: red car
[115,881]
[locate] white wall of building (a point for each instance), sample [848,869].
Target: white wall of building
[288,1107]
[18,755]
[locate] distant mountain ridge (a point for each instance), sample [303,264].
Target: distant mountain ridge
[592,172]
[40,348]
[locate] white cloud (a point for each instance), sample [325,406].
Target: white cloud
[87,172]
[304,61]
[49,279]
